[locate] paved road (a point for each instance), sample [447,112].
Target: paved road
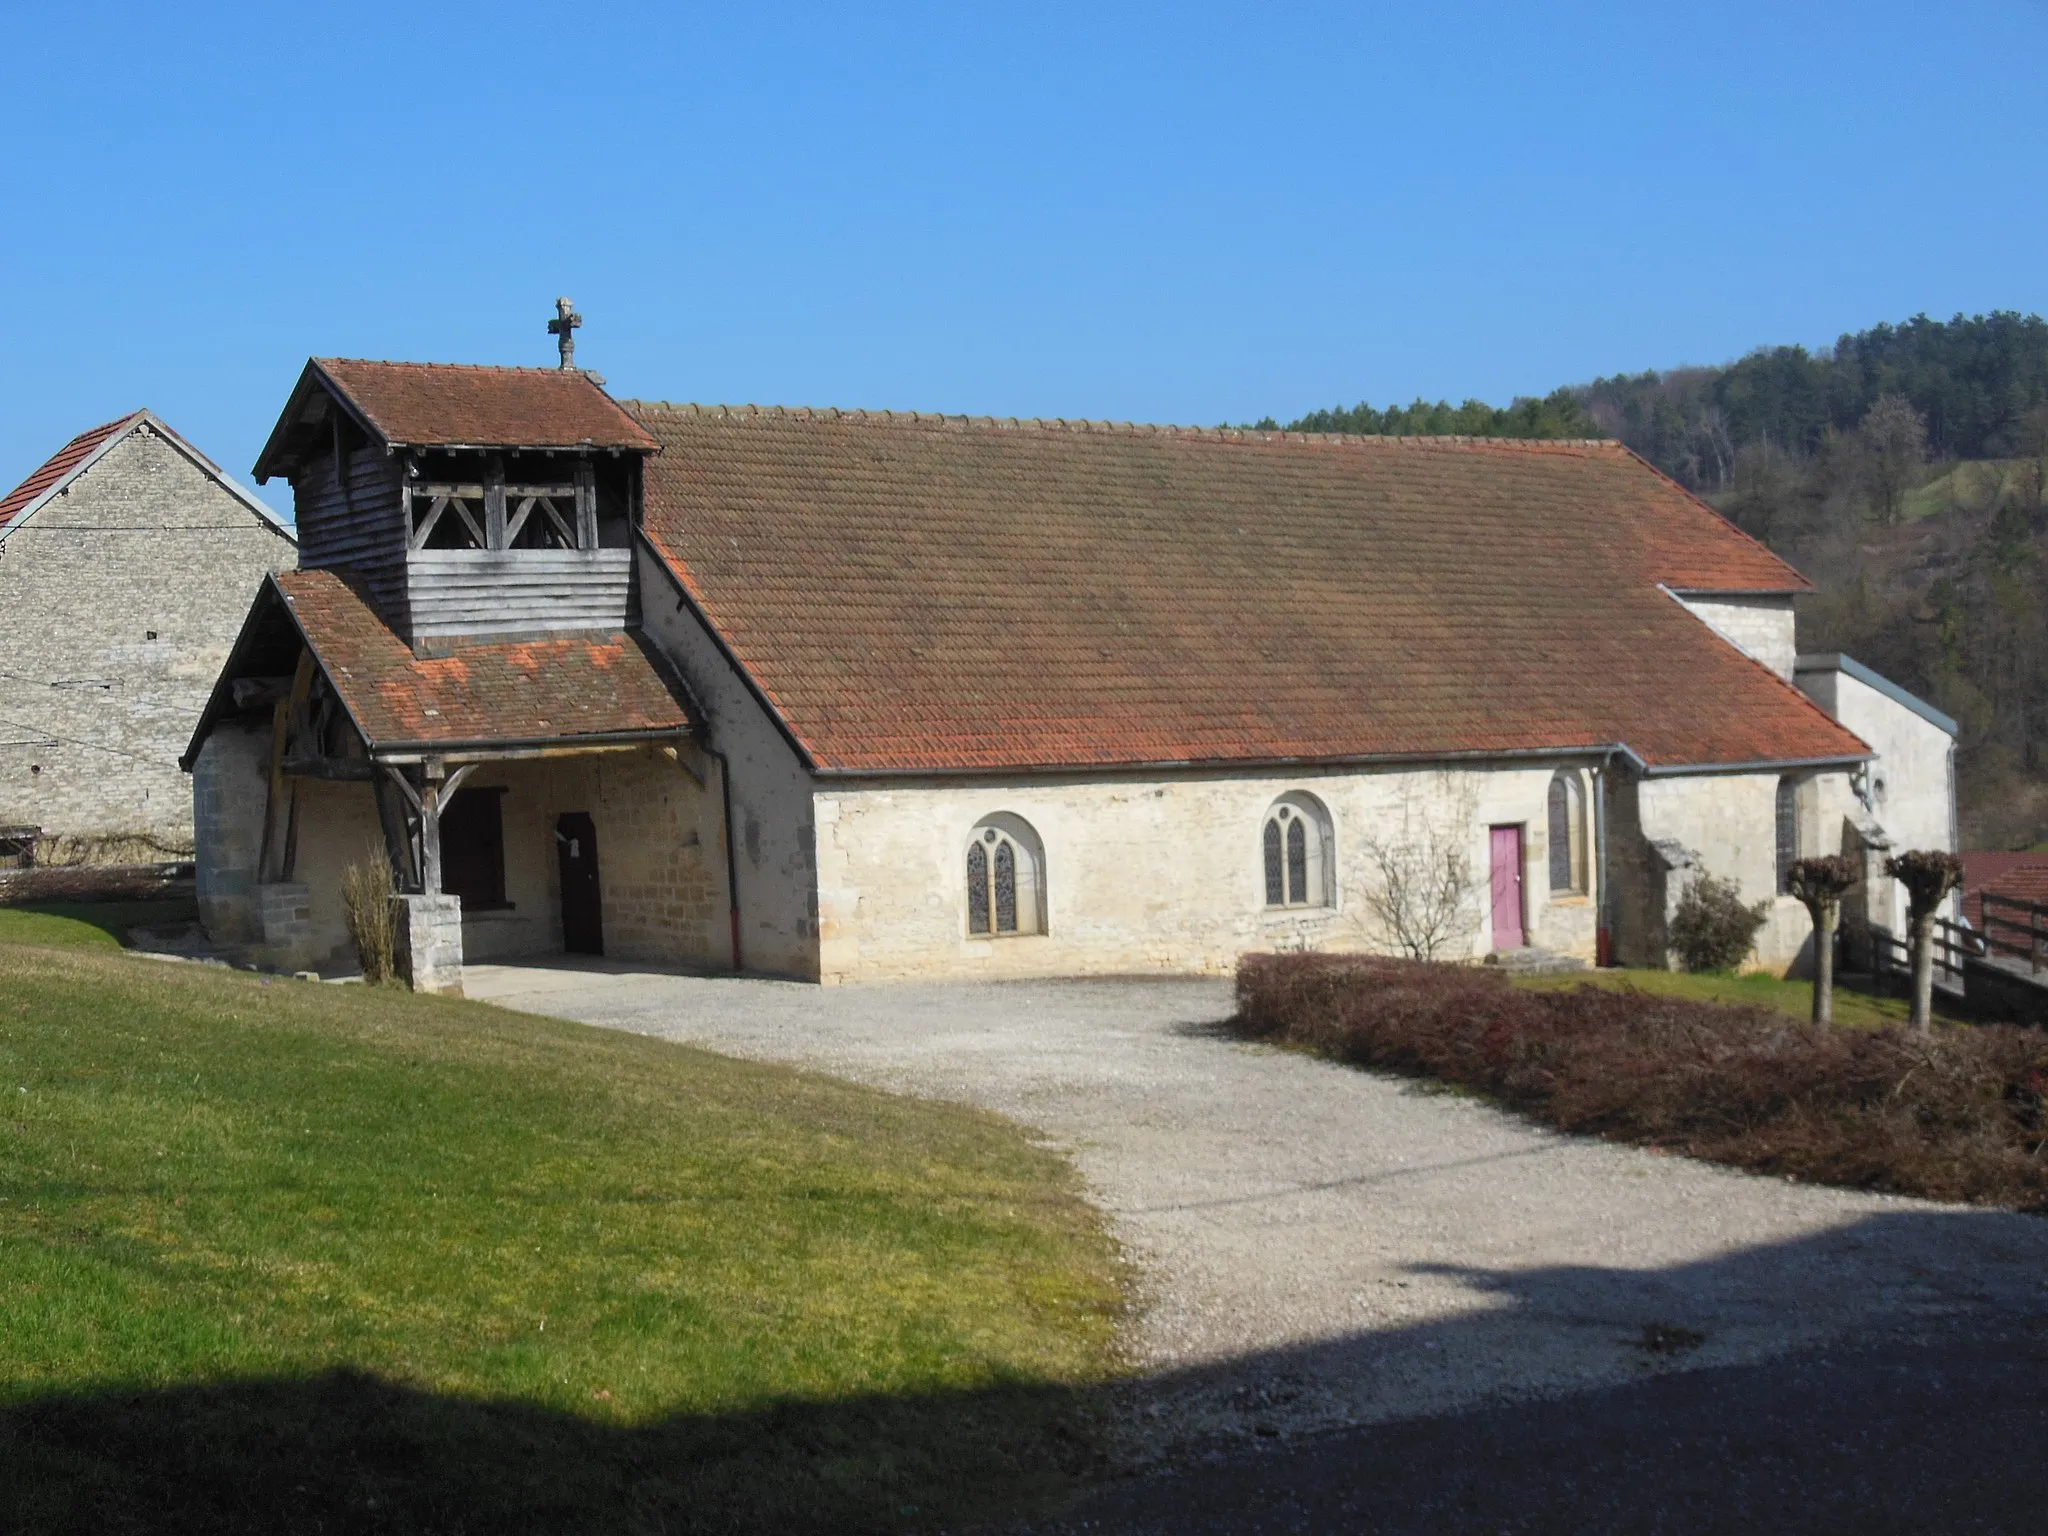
[1321,1248]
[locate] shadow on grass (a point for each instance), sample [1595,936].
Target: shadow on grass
[345,1452]
[1888,1372]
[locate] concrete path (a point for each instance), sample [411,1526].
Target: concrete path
[1319,1246]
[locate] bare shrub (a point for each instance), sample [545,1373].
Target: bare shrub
[366,909]
[1712,930]
[1956,1115]
[1421,890]
[70,850]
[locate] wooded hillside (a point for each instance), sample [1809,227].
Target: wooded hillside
[1905,470]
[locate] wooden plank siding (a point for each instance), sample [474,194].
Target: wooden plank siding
[476,591]
[359,529]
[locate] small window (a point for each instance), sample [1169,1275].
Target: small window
[1788,832]
[1567,835]
[1295,853]
[1005,879]
[473,849]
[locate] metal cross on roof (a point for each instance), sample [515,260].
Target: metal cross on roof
[563,329]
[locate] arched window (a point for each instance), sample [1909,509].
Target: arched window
[1296,853]
[1005,878]
[1567,835]
[1788,831]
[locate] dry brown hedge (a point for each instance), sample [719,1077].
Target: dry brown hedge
[1958,1115]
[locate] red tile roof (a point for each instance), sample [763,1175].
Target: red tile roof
[426,405]
[60,464]
[2017,876]
[509,691]
[937,593]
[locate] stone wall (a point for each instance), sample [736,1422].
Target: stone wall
[124,594]
[1760,625]
[228,788]
[1158,874]
[1667,831]
[661,865]
[1911,780]
[775,837]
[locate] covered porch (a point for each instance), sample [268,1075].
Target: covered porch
[530,798]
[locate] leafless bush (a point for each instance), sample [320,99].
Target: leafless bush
[1424,880]
[366,908]
[70,850]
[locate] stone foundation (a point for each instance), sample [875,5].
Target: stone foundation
[429,947]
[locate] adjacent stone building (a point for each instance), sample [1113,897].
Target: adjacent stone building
[127,564]
[855,696]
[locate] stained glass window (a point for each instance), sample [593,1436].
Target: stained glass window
[1006,887]
[1295,849]
[1788,831]
[977,889]
[1567,834]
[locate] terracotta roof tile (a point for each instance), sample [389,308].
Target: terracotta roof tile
[58,465]
[527,690]
[426,405]
[917,593]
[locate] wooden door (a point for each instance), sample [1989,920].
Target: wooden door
[1507,888]
[582,909]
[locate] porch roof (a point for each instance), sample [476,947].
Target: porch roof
[583,689]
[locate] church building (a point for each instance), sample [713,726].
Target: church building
[853,696]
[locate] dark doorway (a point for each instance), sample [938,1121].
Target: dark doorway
[473,849]
[582,909]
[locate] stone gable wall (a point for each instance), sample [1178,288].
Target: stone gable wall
[96,711]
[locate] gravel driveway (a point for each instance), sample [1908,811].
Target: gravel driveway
[1319,1246]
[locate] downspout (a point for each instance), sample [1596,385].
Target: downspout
[732,863]
[1603,932]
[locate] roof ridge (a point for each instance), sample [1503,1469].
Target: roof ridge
[1106,427]
[390,362]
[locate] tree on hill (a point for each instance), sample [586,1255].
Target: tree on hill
[1894,441]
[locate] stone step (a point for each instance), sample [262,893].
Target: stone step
[1531,961]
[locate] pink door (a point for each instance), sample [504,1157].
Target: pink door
[1507,888]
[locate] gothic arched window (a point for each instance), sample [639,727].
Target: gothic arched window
[1296,855]
[1567,835]
[1005,878]
[1788,831]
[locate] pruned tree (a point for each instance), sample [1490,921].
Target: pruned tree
[1821,884]
[1928,877]
[1421,893]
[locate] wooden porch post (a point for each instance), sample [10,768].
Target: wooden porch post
[432,772]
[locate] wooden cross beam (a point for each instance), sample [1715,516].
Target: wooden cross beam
[563,329]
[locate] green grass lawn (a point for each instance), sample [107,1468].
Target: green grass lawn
[86,924]
[1791,997]
[277,1255]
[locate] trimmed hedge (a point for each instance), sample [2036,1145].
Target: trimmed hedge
[1961,1114]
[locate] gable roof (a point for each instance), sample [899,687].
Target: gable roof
[561,690]
[928,594]
[451,405]
[50,478]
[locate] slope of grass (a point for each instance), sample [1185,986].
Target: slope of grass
[304,1253]
[88,924]
[1793,998]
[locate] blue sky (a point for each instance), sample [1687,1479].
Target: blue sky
[1188,213]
